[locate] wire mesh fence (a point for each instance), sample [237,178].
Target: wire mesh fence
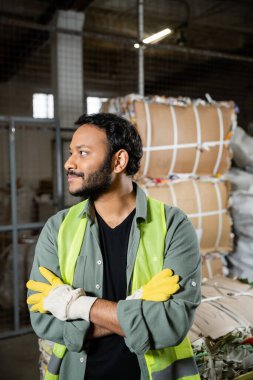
[27,201]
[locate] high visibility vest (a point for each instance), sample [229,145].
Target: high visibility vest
[171,363]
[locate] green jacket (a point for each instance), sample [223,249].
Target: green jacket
[181,254]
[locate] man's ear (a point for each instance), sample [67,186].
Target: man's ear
[120,161]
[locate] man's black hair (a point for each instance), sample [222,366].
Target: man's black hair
[121,134]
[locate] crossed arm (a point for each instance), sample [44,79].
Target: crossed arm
[66,303]
[172,318]
[103,316]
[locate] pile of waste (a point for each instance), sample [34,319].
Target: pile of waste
[222,334]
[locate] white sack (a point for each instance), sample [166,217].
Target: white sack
[242,147]
[241,261]
[239,179]
[242,213]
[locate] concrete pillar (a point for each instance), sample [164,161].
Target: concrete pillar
[67,60]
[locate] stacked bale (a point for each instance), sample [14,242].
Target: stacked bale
[180,136]
[205,202]
[186,155]
[187,139]
[192,139]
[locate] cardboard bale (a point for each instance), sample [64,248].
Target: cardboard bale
[226,305]
[212,265]
[180,137]
[184,139]
[205,203]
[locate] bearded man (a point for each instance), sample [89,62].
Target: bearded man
[116,278]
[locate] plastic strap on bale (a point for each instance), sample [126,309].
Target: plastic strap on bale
[173,194]
[219,232]
[175,138]
[198,151]
[219,156]
[148,142]
[200,214]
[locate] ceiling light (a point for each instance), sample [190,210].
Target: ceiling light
[157,36]
[136,46]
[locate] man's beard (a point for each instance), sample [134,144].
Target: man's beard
[97,183]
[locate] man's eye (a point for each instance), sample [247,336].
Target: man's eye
[70,153]
[83,153]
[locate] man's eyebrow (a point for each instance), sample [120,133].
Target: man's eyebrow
[80,146]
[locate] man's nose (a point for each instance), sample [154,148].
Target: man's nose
[70,163]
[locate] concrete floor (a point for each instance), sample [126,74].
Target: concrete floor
[19,358]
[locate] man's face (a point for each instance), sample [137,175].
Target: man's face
[89,165]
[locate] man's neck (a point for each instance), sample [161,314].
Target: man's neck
[117,204]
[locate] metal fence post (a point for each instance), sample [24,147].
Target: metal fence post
[141,85]
[15,276]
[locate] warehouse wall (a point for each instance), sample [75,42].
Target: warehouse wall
[17,99]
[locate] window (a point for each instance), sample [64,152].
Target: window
[94,104]
[43,106]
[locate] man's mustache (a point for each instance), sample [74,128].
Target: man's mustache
[77,174]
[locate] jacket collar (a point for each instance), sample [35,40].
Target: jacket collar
[141,206]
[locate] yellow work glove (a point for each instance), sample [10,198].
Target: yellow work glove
[55,297]
[159,288]
[42,288]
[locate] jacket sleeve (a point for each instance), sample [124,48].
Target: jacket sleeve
[70,333]
[153,325]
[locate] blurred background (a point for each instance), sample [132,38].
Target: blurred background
[59,59]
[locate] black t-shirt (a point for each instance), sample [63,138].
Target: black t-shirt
[108,357]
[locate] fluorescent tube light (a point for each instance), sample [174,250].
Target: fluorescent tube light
[157,36]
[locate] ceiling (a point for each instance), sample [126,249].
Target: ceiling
[208,28]
[224,26]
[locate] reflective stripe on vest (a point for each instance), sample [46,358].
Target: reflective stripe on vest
[54,365]
[70,238]
[171,363]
